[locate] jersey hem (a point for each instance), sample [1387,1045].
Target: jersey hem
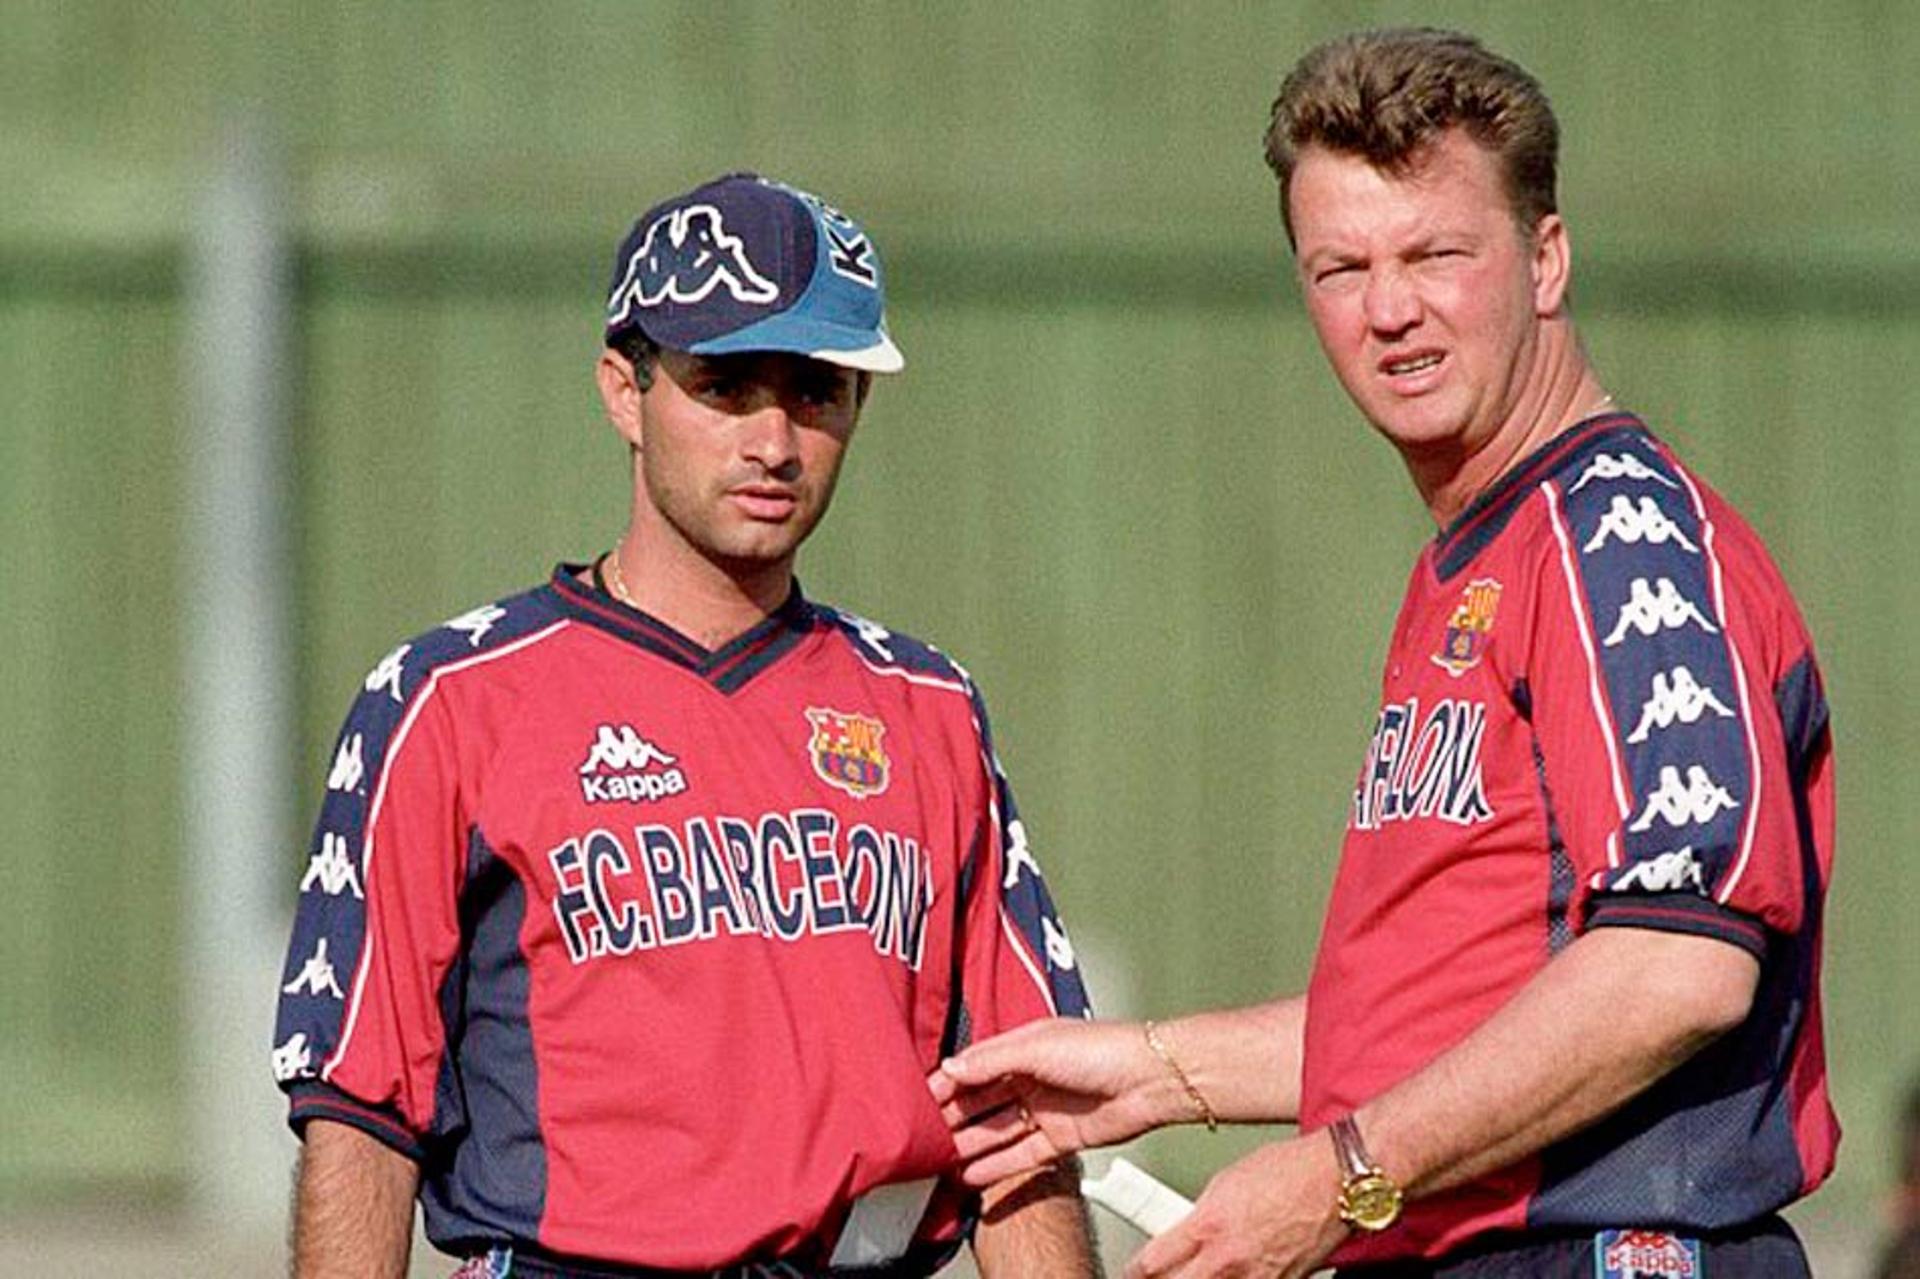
[307,1102]
[1682,913]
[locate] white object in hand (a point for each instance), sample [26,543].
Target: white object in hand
[1136,1197]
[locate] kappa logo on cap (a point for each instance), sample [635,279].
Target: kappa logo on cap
[685,255]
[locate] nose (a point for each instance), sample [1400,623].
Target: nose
[1392,302]
[769,438]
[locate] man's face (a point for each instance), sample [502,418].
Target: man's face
[740,452]
[1426,295]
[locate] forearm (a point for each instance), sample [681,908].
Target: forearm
[1036,1226]
[1598,1025]
[1244,1061]
[353,1206]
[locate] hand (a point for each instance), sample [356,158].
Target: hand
[1027,1098]
[1272,1215]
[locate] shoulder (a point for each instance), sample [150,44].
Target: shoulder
[886,651]
[477,637]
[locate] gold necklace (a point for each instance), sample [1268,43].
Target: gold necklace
[617,580]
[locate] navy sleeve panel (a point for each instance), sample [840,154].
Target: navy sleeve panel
[883,646]
[331,917]
[1681,913]
[310,1099]
[1024,893]
[1669,674]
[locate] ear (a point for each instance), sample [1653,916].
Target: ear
[620,392]
[1552,265]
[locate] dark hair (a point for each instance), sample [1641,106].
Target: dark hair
[1386,95]
[641,351]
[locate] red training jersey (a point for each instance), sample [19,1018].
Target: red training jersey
[1600,708]
[643,951]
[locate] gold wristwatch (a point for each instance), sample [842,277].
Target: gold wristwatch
[1369,1200]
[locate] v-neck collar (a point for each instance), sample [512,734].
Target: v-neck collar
[1456,546]
[727,668]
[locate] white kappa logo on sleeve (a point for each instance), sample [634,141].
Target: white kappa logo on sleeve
[1652,609]
[1695,802]
[293,1059]
[1645,522]
[315,976]
[1677,698]
[387,674]
[476,624]
[348,765]
[332,869]
[1666,873]
[1625,466]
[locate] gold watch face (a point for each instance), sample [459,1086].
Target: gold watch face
[1370,1202]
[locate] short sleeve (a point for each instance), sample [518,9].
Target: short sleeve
[360,1034]
[1652,695]
[1017,962]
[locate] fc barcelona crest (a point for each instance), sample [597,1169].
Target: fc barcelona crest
[847,753]
[1470,627]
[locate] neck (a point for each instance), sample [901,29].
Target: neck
[1451,476]
[707,602]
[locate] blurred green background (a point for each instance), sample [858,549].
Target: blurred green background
[1117,479]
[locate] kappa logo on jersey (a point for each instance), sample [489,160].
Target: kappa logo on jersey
[1695,802]
[847,753]
[387,674]
[1626,466]
[1668,872]
[1645,1254]
[1644,522]
[348,767]
[1424,767]
[315,976]
[1019,856]
[1059,946]
[1470,627]
[1652,609]
[686,255]
[293,1060]
[1677,698]
[621,765]
[872,634]
[477,623]
[331,870]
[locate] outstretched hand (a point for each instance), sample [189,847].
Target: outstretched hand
[1027,1098]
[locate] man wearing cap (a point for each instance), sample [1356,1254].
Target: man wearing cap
[640,903]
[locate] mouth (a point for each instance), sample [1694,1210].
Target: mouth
[1404,366]
[768,502]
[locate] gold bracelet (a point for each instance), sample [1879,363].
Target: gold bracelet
[1200,1105]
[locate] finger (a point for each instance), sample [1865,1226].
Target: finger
[993,1131]
[1032,1151]
[1006,1054]
[1163,1254]
[974,1105]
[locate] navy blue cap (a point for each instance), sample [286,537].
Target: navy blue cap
[745,263]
